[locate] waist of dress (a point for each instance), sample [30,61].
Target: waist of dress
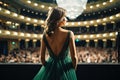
[59,58]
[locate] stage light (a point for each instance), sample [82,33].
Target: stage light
[28,35]
[104,19]
[91,36]
[79,36]
[74,7]
[104,40]
[7,12]
[22,34]
[35,4]
[72,23]
[7,32]
[111,0]
[85,36]
[97,5]
[49,7]
[98,35]
[41,21]
[104,35]
[85,22]
[35,35]
[117,15]
[15,14]
[28,19]
[34,40]
[91,7]
[116,33]
[98,20]
[111,17]
[95,40]
[27,40]
[104,3]
[79,23]
[77,40]
[29,1]
[15,33]
[35,20]
[22,17]
[111,34]
[42,6]
[13,43]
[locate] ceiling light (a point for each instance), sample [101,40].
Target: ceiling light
[74,7]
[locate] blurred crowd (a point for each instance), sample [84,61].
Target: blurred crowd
[85,55]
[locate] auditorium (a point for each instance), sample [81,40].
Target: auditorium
[94,23]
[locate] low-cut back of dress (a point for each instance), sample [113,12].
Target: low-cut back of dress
[57,67]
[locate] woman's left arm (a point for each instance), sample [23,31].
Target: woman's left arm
[42,52]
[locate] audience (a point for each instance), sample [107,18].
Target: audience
[85,55]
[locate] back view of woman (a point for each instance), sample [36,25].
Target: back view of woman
[59,42]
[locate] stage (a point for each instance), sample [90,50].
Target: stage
[26,71]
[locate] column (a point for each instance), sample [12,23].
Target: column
[96,43]
[105,27]
[114,26]
[113,43]
[34,43]
[19,43]
[87,43]
[96,29]
[88,31]
[26,43]
[104,43]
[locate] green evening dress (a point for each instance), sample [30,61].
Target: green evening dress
[57,67]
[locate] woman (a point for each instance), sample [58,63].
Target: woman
[58,41]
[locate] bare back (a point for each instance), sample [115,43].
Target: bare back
[57,41]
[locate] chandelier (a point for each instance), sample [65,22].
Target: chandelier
[74,7]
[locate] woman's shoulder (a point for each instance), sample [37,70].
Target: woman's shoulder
[67,31]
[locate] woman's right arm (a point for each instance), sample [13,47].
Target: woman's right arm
[73,50]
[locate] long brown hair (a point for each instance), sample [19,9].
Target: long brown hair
[54,16]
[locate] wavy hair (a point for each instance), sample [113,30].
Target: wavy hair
[54,16]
